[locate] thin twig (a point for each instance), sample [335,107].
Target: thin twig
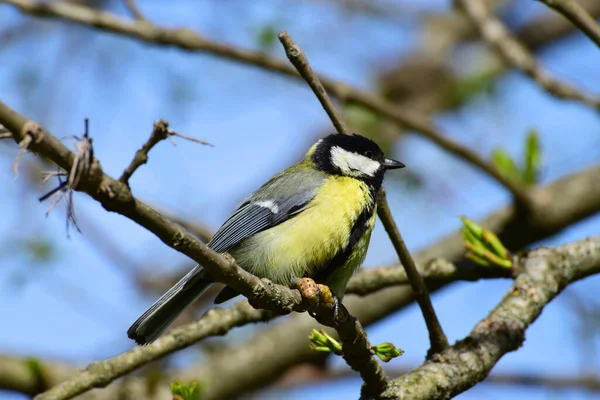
[437,271]
[191,41]
[356,347]
[160,132]
[99,374]
[186,137]
[437,338]
[516,55]
[133,8]
[436,334]
[578,16]
[299,61]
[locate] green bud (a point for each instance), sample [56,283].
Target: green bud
[478,260]
[533,158]
[472,227]
[494,259]
[320,348]
[476,248]
[386,351]
[468,236]
[495,243]
[317,338]
[505,164]
[186,391]
[483,246]
[322,341]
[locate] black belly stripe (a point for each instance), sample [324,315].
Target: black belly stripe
[358,229]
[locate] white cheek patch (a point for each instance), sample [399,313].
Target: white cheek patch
[268,204]
[353,164]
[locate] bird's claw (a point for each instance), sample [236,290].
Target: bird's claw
[317,295]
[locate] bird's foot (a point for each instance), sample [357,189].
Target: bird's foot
[317,296]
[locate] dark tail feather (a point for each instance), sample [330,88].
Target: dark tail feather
[165,310]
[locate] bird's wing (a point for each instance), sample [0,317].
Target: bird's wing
[262,209]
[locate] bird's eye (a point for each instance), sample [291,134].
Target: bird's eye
[369,154]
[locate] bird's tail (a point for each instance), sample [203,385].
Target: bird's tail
[165,310]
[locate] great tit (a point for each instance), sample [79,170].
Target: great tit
[314,219]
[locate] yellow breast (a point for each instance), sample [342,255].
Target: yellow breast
[307,242]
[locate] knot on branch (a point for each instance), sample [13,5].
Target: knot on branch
[81,167]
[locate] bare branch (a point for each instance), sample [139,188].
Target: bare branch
[300,62]
[436,334]
[190,41]
[100,374]
[515,54]
[437,337]
[160,132]
[578,16]
[356,347]
[186,137]
[545,273]
[133,8]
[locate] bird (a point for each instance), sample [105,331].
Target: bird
[311,220]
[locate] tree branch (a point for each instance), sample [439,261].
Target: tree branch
[300,62]
[31,376]
[436,334]
[190,41]
[134,10]
[437,337]
[160,132]
[100,374]
[356,346]
[545,273]
[516,55]
[578,16]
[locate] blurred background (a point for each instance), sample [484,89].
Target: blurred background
[69,297]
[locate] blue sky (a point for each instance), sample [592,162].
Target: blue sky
[78,306]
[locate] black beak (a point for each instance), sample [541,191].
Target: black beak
[392,164]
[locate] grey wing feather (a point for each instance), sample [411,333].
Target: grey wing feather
[284,196]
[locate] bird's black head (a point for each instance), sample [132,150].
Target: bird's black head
[354,156]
